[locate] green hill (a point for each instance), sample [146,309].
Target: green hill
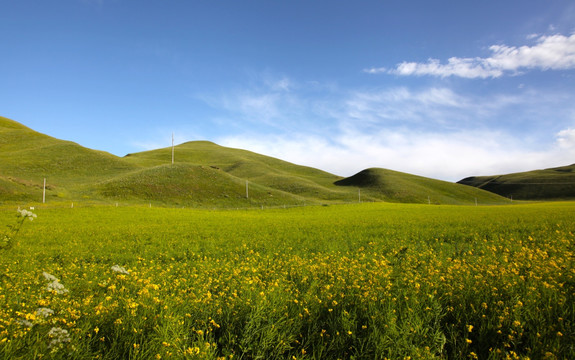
[204,174]
[548,184]
[394,186]
[33,155]
[191,185]
[279,175]
[13,189]
[27,157]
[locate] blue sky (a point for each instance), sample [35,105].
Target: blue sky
[444,89]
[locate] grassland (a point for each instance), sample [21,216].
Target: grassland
[365,281]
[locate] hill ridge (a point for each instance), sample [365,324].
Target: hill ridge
[555,183]
[218,175]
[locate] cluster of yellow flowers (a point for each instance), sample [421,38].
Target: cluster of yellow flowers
[491,296]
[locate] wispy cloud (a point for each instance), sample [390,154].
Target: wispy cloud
[566,139]
[272,103]
[430,131]
[434,108]
[555,52]
[444,156]
[402,106]
[282,84]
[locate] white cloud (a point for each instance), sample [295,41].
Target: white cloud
[436,106]
[448,157]
[256,106]
[283,84]
[566,139]
[434,132]
[376,70]
[271,102]
[555,52]
[443,156]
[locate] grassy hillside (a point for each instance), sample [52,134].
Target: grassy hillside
[388,185]
[204,174]
[13,189]
[191,185]
[313,184]
[28,157]
[555,183]
[302,181]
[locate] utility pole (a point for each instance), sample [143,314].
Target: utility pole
[172,148]
[44,192]
[247,193]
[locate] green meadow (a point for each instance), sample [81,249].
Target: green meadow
[229,254]
[357,281]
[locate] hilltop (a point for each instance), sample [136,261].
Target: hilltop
[389,185]
[554,183]
[316,185]
[204,174]
[274,174]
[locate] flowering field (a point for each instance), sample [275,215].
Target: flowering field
[369,281]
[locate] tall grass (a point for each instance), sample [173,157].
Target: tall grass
[368,281]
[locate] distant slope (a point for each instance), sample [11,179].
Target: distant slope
[394,186]
[314,184]
[204,174]
[191,185]
[548,184]
[27,153]
[27,157]
[12,189]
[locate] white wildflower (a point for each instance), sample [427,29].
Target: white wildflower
[58,336]
[57,287]
[49,277]
[120,269]
[55,284]
[27,214]
[25,323]
[45,312]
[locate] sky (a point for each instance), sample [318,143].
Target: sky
[443,89]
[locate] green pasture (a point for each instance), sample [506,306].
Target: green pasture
[363,281]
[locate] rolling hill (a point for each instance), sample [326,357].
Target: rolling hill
[388,185]
[191,185]
[27,157]
[554,183]
[204,174]
[269,172]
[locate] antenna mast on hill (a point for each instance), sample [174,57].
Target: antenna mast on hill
[172,148]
